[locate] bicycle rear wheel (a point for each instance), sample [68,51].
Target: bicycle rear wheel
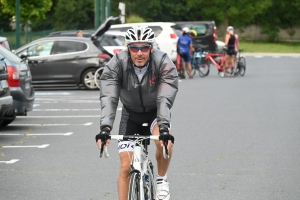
[134,187]
[204,68]
[242,66]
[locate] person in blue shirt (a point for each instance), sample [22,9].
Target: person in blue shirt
[184,49]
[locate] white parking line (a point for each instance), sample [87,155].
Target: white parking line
[67,109]
[29,146]
[69,116]
[10,162]
[37,134]
[68,101]
[86,124]
[52,93]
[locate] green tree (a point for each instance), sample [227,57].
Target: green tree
[235,12]
[5,19]
[73,14]
[282,14]
[155,10]
[31,10]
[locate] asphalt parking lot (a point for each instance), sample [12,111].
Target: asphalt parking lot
[235,138]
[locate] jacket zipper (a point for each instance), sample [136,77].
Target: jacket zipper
[140,87]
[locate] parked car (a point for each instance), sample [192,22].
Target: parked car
[4,43]
[19,82]
[166,34]
[109,41]
[66,61]
[206,34]
[6,101]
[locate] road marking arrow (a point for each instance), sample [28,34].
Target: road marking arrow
[10,162]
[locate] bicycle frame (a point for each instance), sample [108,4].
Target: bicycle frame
[220,66]
[141,163]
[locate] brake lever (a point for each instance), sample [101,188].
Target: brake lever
[102,148]
[165,150]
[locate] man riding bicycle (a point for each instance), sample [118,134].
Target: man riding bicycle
[146,81]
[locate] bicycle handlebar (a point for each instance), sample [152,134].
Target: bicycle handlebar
[132,137]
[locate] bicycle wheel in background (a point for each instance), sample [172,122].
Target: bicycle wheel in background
[97,76]
[242,66]
[134,187]
[204,67]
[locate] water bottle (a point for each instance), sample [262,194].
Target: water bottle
[147,191]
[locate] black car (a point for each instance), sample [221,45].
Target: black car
[206,34]
[5,97]
[66,61]
[19,82]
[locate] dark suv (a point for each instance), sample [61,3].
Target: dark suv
[66,61]
[5,98]
[206,34]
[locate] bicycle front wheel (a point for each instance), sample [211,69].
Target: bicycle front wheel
[204,68]
[242,66]
[134,187]
[152,183]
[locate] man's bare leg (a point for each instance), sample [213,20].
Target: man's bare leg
[124,177]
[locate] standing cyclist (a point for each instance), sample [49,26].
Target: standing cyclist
[184,49]
[230,46]
[146,81]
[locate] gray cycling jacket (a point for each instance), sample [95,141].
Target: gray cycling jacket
[156,90]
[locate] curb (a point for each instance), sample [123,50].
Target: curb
[269,54]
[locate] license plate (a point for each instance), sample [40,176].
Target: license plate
[4,84]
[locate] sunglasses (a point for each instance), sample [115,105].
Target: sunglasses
[136,49]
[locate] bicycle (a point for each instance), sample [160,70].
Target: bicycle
[142,184]
[97,75]
[218,60]
[198,62]
[240,64]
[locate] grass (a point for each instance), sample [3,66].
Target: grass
[268,47]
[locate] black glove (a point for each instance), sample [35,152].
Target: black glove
[165,135]
[104,134]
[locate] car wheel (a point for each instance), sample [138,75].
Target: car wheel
[11,118]
[88,80]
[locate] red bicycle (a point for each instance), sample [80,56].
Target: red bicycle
[218,60]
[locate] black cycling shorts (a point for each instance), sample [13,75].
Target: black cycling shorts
[132,123]
[231,51]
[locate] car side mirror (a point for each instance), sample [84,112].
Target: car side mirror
[24,55]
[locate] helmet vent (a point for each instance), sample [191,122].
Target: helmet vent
[132,36]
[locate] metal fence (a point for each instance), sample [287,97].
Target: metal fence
[25,37]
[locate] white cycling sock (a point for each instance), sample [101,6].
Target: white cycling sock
[161,177]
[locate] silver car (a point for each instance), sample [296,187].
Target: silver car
[19,82]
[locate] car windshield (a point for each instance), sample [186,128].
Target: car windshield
[200,29]
[177,30]
[9,55]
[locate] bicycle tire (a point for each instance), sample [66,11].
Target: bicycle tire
[134,187]
[152,183]
[242,66]
[204,68]
[97,76]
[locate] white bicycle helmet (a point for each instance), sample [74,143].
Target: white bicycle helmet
[230,28]
[185,30]
[139,33]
